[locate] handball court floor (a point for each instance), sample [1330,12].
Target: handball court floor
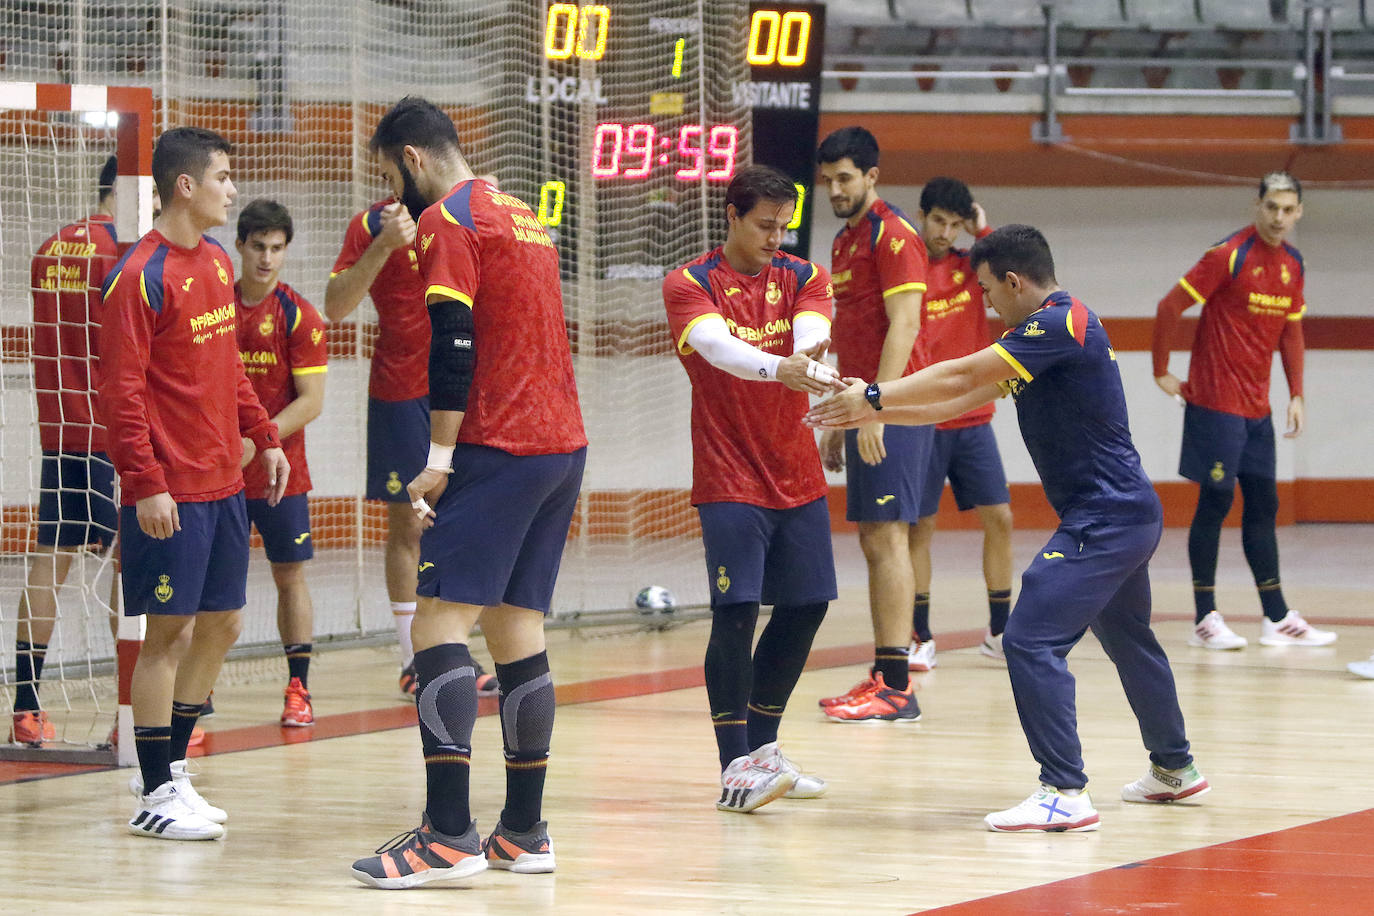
[1283,735]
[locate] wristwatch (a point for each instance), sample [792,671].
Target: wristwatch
[872,393]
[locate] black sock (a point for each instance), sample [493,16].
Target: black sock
[920,618]
[184,716]
[527,708]
[999,609]
[153,746]
[890,662]
[729,677]
[1204,535]
[28,671]
[1258,515]
[779,658]
[446,700]
[298,661]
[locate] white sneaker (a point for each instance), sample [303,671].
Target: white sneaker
[992,646]
[1213,633]
[920,656]
[1160,785]
[751,782]
[1363,669]
[804,785]
[1292,630]
[1047,810]
[181,778]
[164,815]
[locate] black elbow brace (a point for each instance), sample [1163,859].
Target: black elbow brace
[452,354]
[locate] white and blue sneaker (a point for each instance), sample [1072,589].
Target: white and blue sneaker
[1049,811]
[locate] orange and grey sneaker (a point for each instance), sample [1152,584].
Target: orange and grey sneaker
[296,711]
[881,704]
[528,853]
[32,727]
[487,685]
[854,693]
[422,855]
[408,682]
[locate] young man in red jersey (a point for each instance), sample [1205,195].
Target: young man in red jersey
[496,495]
[878,263]
[175,398]
[1250,285]
[282,344]
[76,508]
[954,324]
[743,316]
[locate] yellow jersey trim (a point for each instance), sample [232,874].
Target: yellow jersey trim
[1294,316]
[1188,288]
[809,312]
[114,283]
[1013,362]
[905,288]
[682,338]
[142,289]
[310,370]
[450,292]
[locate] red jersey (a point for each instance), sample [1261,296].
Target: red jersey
[748,442]
[1252,291]
[400,359]
[487,250]
[280,339]
[882,256]
[65,277]
[172,388]
[954,321]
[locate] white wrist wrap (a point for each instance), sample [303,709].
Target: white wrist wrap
[440,457]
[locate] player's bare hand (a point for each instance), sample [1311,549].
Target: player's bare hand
[1170,384]
[398,228]
[250,452]
[424,492]
[1297,418]
[818,350]
[802,373]
[157,516]
[871,450]
[278,472]
[832,450]
[978,222]
[844,410]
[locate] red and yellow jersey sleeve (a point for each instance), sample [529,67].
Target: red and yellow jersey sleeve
[449,249]
[899,256]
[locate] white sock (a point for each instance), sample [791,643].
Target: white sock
[403,612]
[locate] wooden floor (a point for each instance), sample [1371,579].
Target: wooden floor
[1284,735]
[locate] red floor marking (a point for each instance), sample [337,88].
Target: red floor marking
[1324,866]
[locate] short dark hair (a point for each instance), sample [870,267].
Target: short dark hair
[853,143]
[1015,249]
[417,122]
[1280,181]
[106,181]
[184,151]
[754,183]
[948,194]
[264,215]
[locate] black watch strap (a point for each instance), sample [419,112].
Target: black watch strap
[873,394]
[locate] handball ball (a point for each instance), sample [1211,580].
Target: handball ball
[655,599]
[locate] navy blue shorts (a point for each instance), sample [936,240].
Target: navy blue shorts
[891,490]
[772,556]
[76,504]
[397,446]
[500,528]
[203,567]
[285,528]
[969,458]
[1217,446]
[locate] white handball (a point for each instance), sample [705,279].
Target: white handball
[655,599]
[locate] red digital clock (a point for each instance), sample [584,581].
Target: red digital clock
[692,151]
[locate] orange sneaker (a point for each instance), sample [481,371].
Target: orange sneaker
[881,704]
[297,711]
[32,728]
[855,692]
[408,682]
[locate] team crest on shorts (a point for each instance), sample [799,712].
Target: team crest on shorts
[393,483]
[163,592]
[722,580]
[1217,473]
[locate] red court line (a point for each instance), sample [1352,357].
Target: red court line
[1326,866]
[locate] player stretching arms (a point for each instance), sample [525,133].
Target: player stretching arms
[76,508]
[742,316]
[174,395]
[499,487]
[953,324]
[879,267]
[1058,365]
[1251,288]
[281,341]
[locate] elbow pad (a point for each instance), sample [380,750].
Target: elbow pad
[452,355]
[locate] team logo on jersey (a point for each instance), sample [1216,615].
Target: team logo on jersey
[722,580]
[163,592]
[853,248]
[1217,473]
[1052,555]
[414,260]
[896,245]
[774,294]
[80,231]
[1284,275]
[426,241]
[316,336]
[732,290]
[186,287]
[830,291]
[301,538]
[1258,272]
[957,277]
[221,272]
[393,483]
[1032,330]
[265,326]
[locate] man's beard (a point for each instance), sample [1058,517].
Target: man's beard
[411,197]
[846,214]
